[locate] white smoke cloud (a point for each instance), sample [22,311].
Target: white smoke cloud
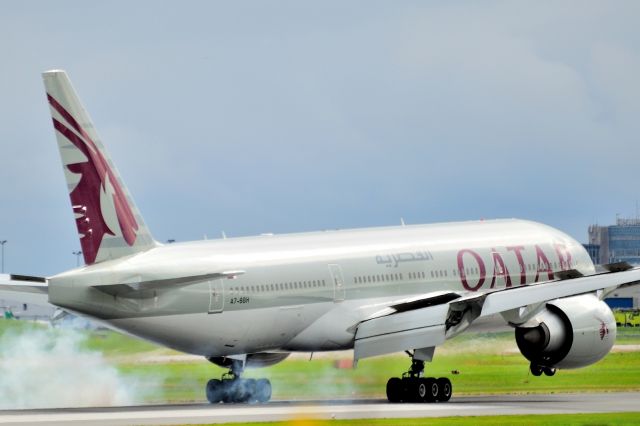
[50,368]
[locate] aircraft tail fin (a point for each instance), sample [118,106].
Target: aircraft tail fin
[108,222]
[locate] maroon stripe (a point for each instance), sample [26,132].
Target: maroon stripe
[69,119]
[64,113]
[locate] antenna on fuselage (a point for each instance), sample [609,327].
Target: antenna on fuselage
[224,236]
[401,221]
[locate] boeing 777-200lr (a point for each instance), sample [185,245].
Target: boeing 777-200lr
[243,302]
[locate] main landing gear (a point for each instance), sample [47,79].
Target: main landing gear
[232,388]
[412,387]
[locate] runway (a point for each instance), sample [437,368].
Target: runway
[338,409]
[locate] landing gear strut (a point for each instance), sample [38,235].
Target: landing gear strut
[412,387]
[232,388]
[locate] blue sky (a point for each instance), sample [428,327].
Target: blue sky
[280,116]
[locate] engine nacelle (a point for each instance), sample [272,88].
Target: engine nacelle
[568,333]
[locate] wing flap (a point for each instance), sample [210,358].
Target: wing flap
[419,328]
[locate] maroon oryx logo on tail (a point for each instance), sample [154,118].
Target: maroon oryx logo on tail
[95,178]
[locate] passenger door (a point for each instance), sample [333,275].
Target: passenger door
[338,282]
[216,296]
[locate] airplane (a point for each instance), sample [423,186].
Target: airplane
[252,301]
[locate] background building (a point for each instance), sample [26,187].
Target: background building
[617,243]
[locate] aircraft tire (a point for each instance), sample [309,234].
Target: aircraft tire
[214,391]
[431,389]
[250,387]
[263,390]
[394,390]
[422,393]
[536,370]
[445,390]
[549,371]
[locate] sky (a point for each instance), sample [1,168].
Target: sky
[251,117]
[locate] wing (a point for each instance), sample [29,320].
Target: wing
[25,289]
[426,322]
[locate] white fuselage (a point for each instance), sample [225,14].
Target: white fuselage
[307,292]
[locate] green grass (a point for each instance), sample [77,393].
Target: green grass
[115,344]
[613,419]
[628,336]
[478,374]
[486,363]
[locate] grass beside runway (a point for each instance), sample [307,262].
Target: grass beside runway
[613,419]
[484,363]
[479,374]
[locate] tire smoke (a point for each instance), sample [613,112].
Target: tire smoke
[47,368]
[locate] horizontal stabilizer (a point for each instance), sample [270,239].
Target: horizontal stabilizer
[24,289]
[130,289]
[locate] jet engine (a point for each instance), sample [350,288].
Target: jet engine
[568,333]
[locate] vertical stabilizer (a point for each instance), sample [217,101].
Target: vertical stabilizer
[108,222]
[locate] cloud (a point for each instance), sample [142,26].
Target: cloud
[276,117]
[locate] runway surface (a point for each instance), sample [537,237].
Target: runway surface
[340,409]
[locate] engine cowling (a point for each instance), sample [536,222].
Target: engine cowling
[568,333]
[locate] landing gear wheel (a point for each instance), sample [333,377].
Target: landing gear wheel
[394,390]
[421,391]
[444,389]
[549,371]
[228,392]
[536,370]
[263,390]
[431,386]
[214,391]
[412,387]
[239,391]
[250,387]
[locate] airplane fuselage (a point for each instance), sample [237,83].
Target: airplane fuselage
[306,292]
